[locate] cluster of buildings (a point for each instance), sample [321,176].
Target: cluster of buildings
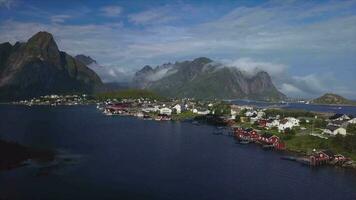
[55,100]
[338,124]
[153,109]
[258,116]
[318,158]
[266,140]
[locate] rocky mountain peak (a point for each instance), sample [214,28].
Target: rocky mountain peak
[202,60]
[43,46]
[37,67]
[146,68]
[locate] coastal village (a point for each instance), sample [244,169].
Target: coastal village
[271,128]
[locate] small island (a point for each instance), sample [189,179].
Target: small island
[333,99]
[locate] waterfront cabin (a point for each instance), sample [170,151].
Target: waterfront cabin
[321,158]
[246,134]
[272,141]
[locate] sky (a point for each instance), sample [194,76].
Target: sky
[308,47]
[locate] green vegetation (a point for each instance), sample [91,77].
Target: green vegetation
[184,116]
[129,94]
[338,144]
[306,143]
[221,109]
[289,113]
[351,128]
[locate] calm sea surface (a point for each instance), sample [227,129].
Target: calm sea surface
[349,110]
[105,157]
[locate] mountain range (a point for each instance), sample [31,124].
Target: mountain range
[205,79]
[37,67]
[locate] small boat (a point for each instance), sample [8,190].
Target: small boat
[244,142]
[217,132]
[292,158]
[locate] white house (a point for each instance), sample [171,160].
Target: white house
[274,123]
[233,113]
[250,113]
[343,117]
[151,109]
[165,111]
[293,120]
[352,121]
[334,130]
[178,108]
[288,123]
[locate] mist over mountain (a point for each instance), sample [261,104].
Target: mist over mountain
[204,78]
[107,74]
[38,67]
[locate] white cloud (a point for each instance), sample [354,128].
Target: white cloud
[251,66]
[153,16]
[59,18]
[111,11]
[112,74]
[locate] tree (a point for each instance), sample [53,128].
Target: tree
[320,123]
[351,129]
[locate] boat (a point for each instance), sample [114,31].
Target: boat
[291,158]
[217,132]
[244,142]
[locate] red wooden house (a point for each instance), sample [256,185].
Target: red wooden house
[272,140]
[320,158]
[246,134]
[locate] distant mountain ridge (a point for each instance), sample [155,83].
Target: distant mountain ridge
[38,67]
[333,99]
[205,79]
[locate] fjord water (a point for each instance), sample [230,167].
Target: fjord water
[349,110]
[128,158]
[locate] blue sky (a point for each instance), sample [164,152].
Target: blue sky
[308,47]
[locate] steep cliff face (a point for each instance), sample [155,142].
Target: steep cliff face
[37,67]
[203,78]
